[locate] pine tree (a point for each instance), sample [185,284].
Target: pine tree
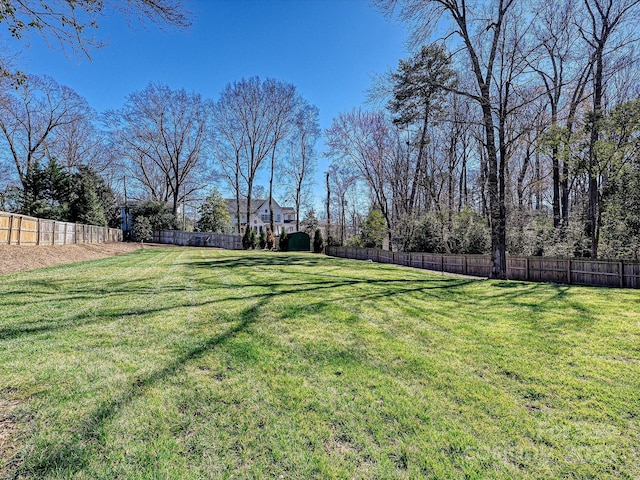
[85,206]
[246,238]
[253,238]
[214,215]
[318,241]
[373,229]
[46,192]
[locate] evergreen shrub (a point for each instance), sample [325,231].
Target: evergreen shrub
[283,243]
[318,241]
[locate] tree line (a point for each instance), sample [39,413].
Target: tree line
[513,128]
[163,145]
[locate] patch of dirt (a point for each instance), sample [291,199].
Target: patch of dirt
[16,258]
[7,428]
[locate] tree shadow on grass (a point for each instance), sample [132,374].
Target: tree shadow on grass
[379,289]
[68,289]
[538,299]
[255,262]
[73,456]
[322,280]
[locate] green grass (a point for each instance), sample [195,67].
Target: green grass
[195,363]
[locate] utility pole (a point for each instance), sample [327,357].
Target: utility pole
[126,210]
[328,211]
[184,198]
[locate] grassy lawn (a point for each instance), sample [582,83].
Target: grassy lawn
[194,363]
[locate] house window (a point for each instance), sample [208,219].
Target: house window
[277,217]
[266,211]
[255,222]
[264,218]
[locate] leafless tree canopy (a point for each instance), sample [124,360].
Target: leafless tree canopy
[298,161]
[252,119]
[37,117]
[162,134]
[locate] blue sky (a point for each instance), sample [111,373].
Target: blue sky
[329,49]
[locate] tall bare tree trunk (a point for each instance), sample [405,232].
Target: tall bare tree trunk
[593,210]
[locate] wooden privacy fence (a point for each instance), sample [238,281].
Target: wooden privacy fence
[199,239]
[578,271]
[22,230]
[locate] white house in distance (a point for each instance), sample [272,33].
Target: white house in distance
[283,217]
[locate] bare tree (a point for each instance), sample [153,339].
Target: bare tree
[32,113]
[229,145]
[162,133]
[258,116]
[299,165]
[364,140]
[251,115]
[281,101]
[342,177]
[247,116]
[80,144]
[328,208]
[564,70]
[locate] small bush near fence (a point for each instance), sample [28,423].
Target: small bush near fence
[604,273]
[23,230]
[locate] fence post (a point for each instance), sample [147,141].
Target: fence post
[442,263]
[621,266]
[10,229]
[527,275]
[569,271]
[19,229]
[465,264]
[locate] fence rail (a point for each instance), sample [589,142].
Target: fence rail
[23,230]
[199,239]
[578,271]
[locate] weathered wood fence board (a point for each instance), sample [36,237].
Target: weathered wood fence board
[22,230]
[199,239]
[579,271]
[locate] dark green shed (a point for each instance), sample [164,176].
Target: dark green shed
[299,242]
